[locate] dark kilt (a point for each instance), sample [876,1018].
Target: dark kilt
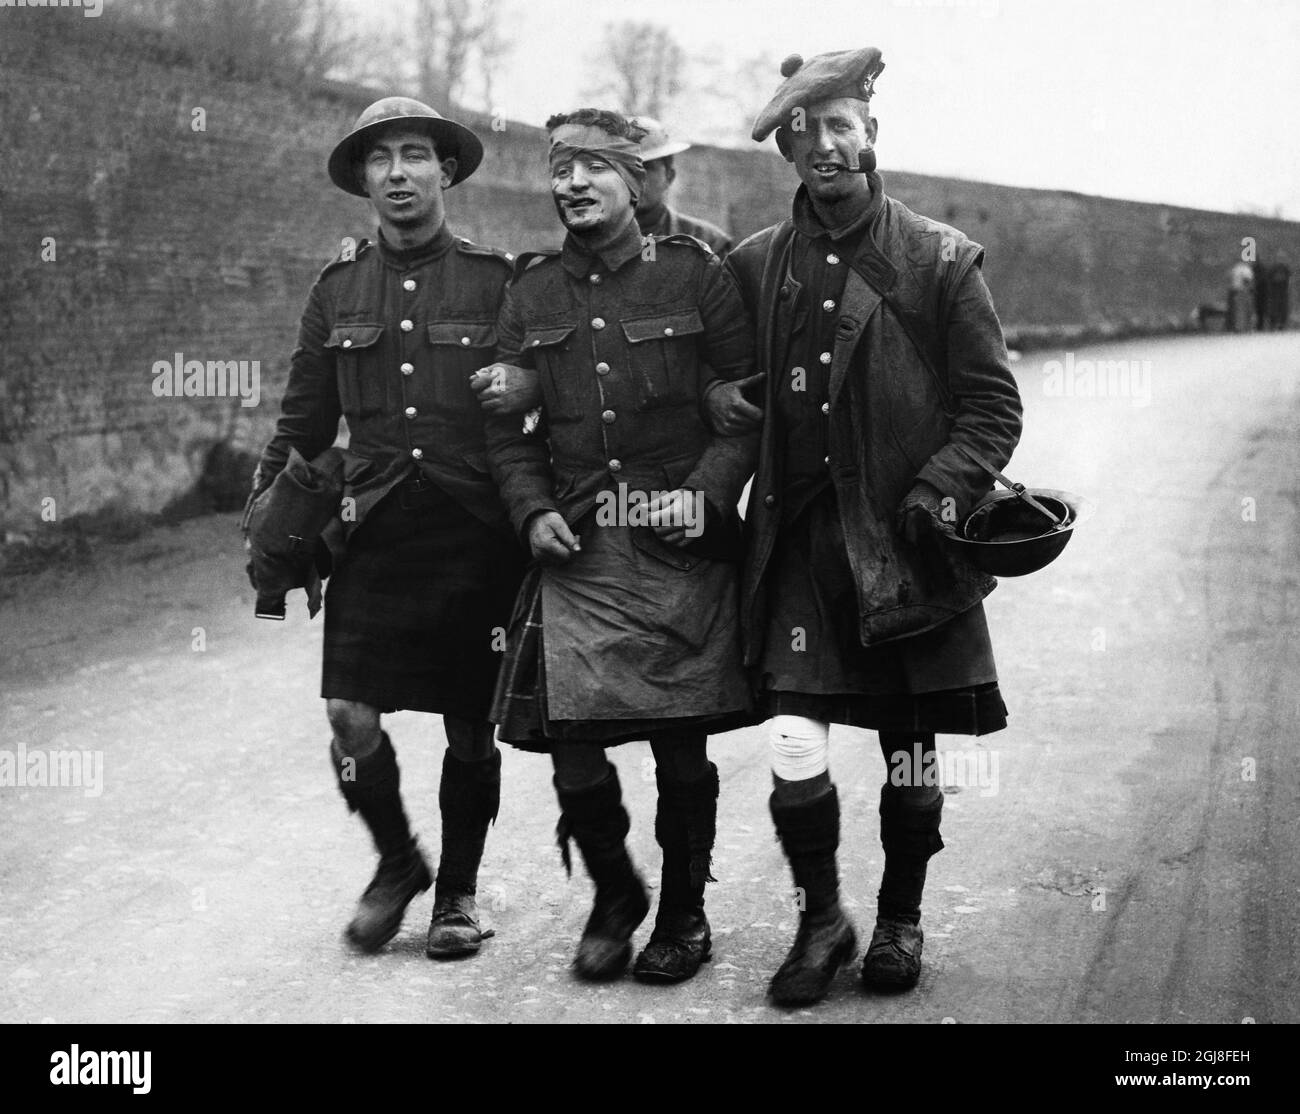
[414,610]
[941,681]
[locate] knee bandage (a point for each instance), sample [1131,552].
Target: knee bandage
[800,747]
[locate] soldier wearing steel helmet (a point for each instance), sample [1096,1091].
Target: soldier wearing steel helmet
[429,566]
[886,384]
[654,215]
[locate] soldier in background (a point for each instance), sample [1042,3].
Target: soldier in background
[653,214]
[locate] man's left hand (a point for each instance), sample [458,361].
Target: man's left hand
[506,388]
[919,516]
[677,516]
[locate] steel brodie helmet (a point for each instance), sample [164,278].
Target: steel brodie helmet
[450,140]
[1011,533]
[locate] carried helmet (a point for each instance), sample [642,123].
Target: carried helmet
[1011,533]
[450,140]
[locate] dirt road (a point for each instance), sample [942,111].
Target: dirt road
[1132,853]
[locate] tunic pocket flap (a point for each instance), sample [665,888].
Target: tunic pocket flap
[556,334]
[464,334]
[663,326]
[354,336]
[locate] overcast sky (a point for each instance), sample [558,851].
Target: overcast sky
[1180,101]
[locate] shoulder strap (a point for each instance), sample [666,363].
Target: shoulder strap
[526,259]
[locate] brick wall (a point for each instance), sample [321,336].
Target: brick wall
[205,242]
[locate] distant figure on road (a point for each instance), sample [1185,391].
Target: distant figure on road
[391,334]
[653,214]
[885,363]
[1259,279]
[1241,297]
[1279,294]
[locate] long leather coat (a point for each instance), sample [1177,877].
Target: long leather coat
[934,376]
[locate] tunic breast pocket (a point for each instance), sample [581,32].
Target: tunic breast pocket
[559,370]
[459,349]
[360,378]
[662,356]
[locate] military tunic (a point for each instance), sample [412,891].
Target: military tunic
[427,567]
[632,635]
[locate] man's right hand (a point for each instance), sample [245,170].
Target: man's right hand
[550,538]
[728,412]
[506,388]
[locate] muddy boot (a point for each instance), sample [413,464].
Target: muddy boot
[685,826]
[810,835]
[370,786]
[468,796]
[910,835]
[596,820]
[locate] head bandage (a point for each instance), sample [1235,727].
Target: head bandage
[624,155]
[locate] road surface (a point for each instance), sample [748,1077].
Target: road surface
[1136,858]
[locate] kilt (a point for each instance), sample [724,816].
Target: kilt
[941,680]
[416,606]
[619,645]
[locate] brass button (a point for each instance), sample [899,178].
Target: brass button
[828,305]
[602,368]
[825,357]
[464,340]
[408,369]
[536,343]
[832,259]
[769,500]
[616,465]
[826,460]
[668,332]
[410,411]
[826,407]
[597,322]
[509,258]
[407,326]
[409,284]
[607,417]
[418,454]
[347,344]
[594,280]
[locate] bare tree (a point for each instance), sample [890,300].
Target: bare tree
[724,97]
[454,39]
[253,38]
[647,65]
